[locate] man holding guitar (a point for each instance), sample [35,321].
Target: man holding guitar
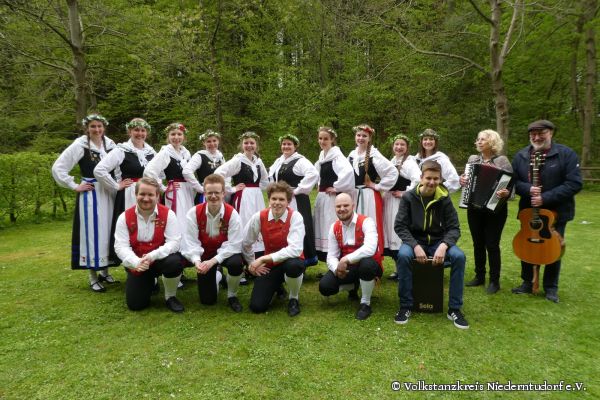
[556,170]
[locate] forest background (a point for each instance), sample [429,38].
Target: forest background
[290,66]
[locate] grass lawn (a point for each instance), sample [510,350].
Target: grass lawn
[60,340]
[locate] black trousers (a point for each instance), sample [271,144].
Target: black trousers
[265,286]
[486,231]
[551,271]
[366,269]
[138,288]
[207,283]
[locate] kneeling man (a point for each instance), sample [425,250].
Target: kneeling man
[214,237]
[147,240]
[282,230]
[352,255]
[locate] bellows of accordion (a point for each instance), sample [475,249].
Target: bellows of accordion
[483,181]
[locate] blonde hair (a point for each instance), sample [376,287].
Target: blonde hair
[496,142]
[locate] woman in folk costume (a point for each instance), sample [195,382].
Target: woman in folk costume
[248,179]
[372,173]
[294,169]
[169,162]
[428,150]
[90,244]
[128,161]
[409,175]
[204,163]
[335,176]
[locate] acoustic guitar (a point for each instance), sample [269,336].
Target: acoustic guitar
[537,242]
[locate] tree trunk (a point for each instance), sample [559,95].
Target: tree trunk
[79,65]
[496,63]
[575,99]
[214,69]
[590,82]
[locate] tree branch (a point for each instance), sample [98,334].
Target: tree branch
[481,14]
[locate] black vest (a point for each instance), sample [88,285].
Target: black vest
[286,174]
[131,167]
[360,178]
[88,162]
[207,167]
[174,170]
[327,175]
[245,175]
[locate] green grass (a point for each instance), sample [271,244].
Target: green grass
[59,340]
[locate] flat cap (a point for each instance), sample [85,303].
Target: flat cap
[540,124]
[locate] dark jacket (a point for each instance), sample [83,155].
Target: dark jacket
[417,223]
[560,178]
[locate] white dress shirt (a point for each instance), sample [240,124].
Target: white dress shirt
[233,167]
[385,169]
[145,233]
[295,237]
[368,248]
[233,244]
[189,171]
[302,167]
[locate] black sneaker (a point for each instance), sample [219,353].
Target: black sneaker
[475,282]
[234,304]
[364,312]
[458,318]
[174,304]
[493,288]
[525,287]
[552,295]
[402,316]
[293,307]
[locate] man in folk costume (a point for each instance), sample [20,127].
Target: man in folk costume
[352,256]
[214,237]
[282,230]
[147,240]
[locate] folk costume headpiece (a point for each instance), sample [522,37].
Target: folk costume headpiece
[175,125]
[249,135]
[293,138]
[209,133]
[94,117]
[138,122]
[429,133]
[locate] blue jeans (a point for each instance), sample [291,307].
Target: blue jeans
[454,257]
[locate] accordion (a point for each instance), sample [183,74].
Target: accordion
[484,181]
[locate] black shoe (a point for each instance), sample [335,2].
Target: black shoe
[364,312]
[393,276]
[234,304]
[493,288]
[174,305]
[458,318]
[309,262]
[552,295]
[97,287]
[524,288]
[108,279]
[402,316]
[281,293]
[293,307]
[475,282]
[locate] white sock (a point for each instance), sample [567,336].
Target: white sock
[346,287]
[93,276]
[366,288]
[294,285]
[218,277]
[233,283]
[170,286]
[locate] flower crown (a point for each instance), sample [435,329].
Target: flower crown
[328,130]
[364,127]
[94,117]
[138,123]
[249,135]
[429,133]
[400,137]
[175,125]
[290,137]
[208,133]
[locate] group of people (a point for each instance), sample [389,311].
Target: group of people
[213,215]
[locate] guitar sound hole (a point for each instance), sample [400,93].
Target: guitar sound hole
[536,224]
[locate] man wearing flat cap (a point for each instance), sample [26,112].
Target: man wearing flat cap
[559,181]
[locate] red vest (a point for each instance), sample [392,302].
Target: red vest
[359,239]
[141,248]
[212,244]
[275,233]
